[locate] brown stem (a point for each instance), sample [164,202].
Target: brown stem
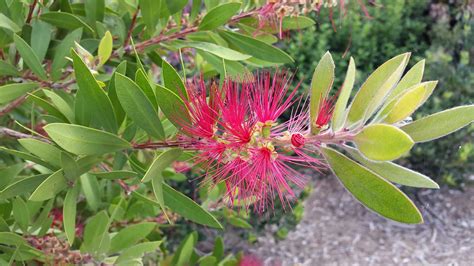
[132,25]
[30,13]
[5,110]
[19,135]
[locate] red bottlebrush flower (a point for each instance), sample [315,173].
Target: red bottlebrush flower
[326,108]
[253,155]
[268,95]
[203,114]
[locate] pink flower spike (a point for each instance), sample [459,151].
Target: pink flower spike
[326,108]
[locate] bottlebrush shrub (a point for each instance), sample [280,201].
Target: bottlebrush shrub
[93,145]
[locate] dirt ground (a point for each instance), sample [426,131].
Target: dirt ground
[337,230]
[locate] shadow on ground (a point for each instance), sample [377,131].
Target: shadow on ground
[336,229]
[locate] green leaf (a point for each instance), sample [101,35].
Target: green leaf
[175,6]
[183,254]
[377,86]
[84,141]
[119,174]
[371,190]
[215,49]
[6,69]
[406,104]
[65,20]
[43,150]
[240,223]
[296,22]
[112,93]
[48,189]
[137,252]
[12,91]
[321,84]
[187,208]
[142,81]
[96,237]
[95,10]
[22,186]
[411,78]
[27,156]
[151,11]
[394,173]
[61,104]
[160,163]
[21,213]
[40,38]
[339,113]
[381,142]
[137,106]
[29,56]
[62,50]
[70,167]
[90,189]
[218,16]
[8,24]
[440,124]
[105,48]
[12,239]
[130,235]
[172,106]
[172,80]
[9,173]
[92,105]
[218,250]
[256,48]
[69,213]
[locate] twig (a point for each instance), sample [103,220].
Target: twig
[132,25]
[30,13]
[19,135]
[5,110]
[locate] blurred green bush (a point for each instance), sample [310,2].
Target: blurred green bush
[440,32]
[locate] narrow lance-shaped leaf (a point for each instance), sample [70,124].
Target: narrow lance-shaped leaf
[130,235]
[12,91]
[339,113]
[142,81]
[21,213]
[8,24]
[172,80]
[45,151]
[22,186]
[321,83]
[54,184]
[69,213]
[137,106]
[393,172]
[371,190]
[9,173]
[381,142]
[83,140]
[411,78]
[172,106]
[187,208]
[70,167]
[222,52]
[29,56]
[256,48]
[440,124]
[65,20]
[372,93]
[218,16]
[105,48]
[95,234]
[40,38]
[63,50]
[92,106]
[7,69]
[406,105]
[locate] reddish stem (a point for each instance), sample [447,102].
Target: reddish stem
[132,25]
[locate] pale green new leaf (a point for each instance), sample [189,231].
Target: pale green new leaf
[105,48]
[339,113]
[374,90]
[440,124]
[411,78]
[321,84]
[381,142]
[371,190]
[82,140]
